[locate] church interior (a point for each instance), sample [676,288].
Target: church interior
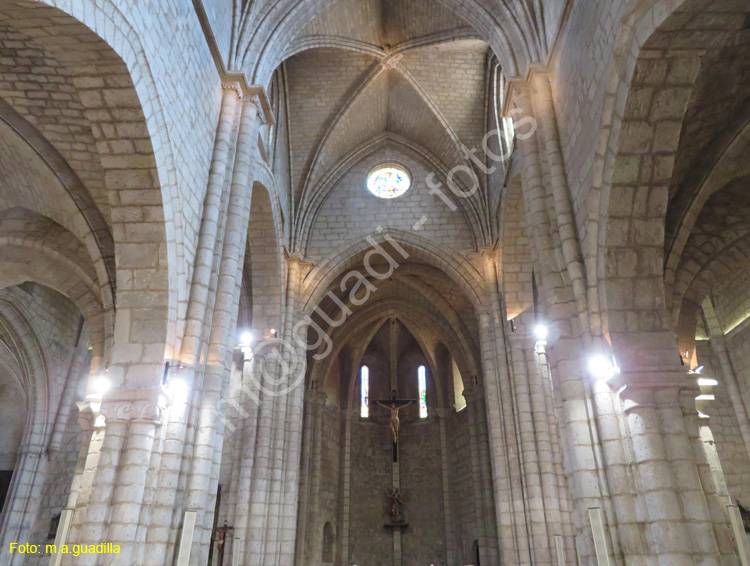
[374,283]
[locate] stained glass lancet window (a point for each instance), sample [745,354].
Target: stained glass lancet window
[422,378]
[388,181]
[364,399]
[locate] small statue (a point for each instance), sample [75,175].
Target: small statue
[396,503]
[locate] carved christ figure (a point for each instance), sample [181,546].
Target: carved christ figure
[394,408]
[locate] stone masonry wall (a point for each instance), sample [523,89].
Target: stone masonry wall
[370,544]
[579,83]
[461,482]
[423,542]
[350,212]
[180,108]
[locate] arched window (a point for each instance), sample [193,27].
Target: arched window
[504,125]
[458,388]
[327,554]
[364,392]
[422,378]
[475,553]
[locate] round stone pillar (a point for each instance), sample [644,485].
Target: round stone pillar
[666,530]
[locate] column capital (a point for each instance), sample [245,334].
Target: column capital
[320,397]
[134,405]
[252,94]
[641,389]
[88,412]
[232,86]
[473,392]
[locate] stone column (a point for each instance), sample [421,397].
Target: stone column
[569,242]
[666,529]
[222,329]
[618,470]
[687,481]
[501,475]
[541,372]
[482,482]
[305,509]
[23,499]
[530,450]
[92,434]
[136,412]
[318,404]
[296,360]
[504,437]
[94,527]
[711,480]
[200,305]
[244,448]
[260,481]
[576,415]
[739,396]
[441,414]
[551,500]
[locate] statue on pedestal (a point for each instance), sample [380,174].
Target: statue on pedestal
[395,506]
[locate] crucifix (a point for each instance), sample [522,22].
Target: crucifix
[220,538]
[396,521]
[394,405]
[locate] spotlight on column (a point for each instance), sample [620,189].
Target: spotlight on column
[541,331]
[602,368]
[101,385]
[178,388]
[246,338]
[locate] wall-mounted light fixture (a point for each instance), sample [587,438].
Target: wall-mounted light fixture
[541,331]
[101,385]
[602,367]
[246,339]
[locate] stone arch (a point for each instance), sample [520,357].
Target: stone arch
[263,280]
[32,364]
[47,211]
[458,270]
[650,89]
[103,252]
[34,248]
[514,38]
[730,168]
[329,538]
[314,199]
[127,122]
[23,343]
[413,317]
